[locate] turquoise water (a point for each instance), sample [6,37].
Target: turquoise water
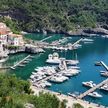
[87,55]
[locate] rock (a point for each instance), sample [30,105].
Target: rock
[28,105]
[96,31]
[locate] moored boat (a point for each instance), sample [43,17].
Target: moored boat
[89,84]
[95,95]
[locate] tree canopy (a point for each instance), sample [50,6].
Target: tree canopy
[64,15]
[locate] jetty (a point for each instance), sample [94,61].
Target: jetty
[92,89]
[55,45]
[77,42]
[104,65]
[45,38]
[18,63]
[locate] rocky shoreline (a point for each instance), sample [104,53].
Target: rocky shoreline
[80,32]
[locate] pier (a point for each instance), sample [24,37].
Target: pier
[104,65]
[77,42]
[56,46]
[45,38]
[93,89]
[17,64]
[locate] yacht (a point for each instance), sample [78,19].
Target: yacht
[105,87]
[54,59]
[72,62]
[47,83]
[2,59]
[105,74]
[59,78]
[73,67]
[87,40]
[70,72]
[46,69]
[95,95]
[89,84]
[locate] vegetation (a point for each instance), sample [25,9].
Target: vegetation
[59,15]
[16,93]
[77,105]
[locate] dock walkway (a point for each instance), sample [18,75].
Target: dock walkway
[77,42]
[13,67]
[104,65]
[97,86]
[93,89]
[45,38]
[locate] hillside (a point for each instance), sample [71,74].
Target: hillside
[54,15]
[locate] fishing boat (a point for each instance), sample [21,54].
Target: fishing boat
[95,95]
[89,84]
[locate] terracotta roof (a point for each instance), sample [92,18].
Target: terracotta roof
[4,31]
[15,35]
[3,25]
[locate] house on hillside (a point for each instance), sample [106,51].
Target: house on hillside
[15,39]
[8,38]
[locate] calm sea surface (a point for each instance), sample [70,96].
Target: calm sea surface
[87,55]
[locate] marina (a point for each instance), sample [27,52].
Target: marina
[20,62]
[87,55]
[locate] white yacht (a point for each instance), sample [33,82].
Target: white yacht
[70,72]
[95,95]
[54,59]
[46,70]
[105,87]
[89,84]
[59,78]
[105,74]
[47,83]
[87,40]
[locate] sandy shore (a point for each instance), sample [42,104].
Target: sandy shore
[70,100]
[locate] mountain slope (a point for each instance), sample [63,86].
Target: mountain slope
[55,15]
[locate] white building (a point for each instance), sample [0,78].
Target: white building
[15,39]
[8,38]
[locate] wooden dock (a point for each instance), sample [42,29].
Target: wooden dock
[13,67]
[104,65]
[93,89]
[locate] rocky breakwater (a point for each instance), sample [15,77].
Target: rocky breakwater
[33,49]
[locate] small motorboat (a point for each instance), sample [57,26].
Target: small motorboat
[105,74]
[72,95]
[105,87]
[97,64]
[95,95]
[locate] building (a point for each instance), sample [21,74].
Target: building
[15,39]
[8,38]
[4,31]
